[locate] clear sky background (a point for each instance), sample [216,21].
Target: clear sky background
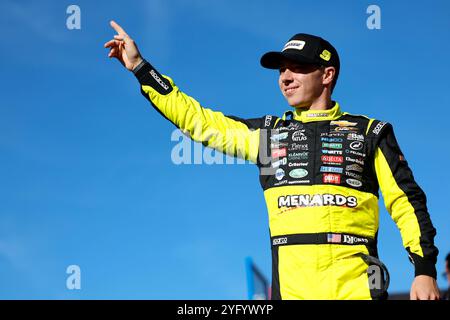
[86,176]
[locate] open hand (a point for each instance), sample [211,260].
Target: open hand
[424,288]
[123,48]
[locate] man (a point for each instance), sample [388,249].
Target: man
[320,169]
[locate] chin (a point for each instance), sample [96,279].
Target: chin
[297,103]
[292,101]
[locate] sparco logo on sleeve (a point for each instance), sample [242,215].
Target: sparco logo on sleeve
[378,127]
[158,79]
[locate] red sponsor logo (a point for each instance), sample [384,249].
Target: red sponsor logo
[333,159]
[278,153]
[331,178]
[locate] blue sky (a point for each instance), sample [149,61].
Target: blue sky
[86,174]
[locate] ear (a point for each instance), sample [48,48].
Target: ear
[328,75]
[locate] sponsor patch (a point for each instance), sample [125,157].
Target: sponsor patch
[356,145]
[279,136]
[291,126]
[358,161]
[299,182]
[353,175]
[317,115]
[355,153]
[331,178]
[325,55]
[282,182]
[279,153]
[343,129]
[354,167]
[298,155]
[333,152]
[267,121]
[279,174]
[294,44]
[278,145]
[353,240]
[280,162]
[336,134]
[297,164]
[298,136]
[332,159]
[378,127]
[158,79]
[298,147]
[330,139]
[355,137]
[343,123]
[307,200]
[354,183]
[279,241]
[298,173]
[331,169]
[332,145]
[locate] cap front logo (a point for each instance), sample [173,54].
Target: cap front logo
[325,55]
[294,44]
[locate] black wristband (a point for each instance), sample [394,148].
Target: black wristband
[148,76]
[423,266]
[139,66]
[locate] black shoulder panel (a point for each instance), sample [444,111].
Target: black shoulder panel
[265,122]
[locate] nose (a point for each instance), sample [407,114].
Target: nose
[286,75]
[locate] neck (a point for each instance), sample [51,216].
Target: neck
[323,102]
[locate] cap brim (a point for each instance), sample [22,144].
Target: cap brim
[273,60]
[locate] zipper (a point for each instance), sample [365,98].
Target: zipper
[315,148]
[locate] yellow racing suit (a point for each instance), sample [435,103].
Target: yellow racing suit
[320,172]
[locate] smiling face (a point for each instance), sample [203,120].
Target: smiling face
[301,84]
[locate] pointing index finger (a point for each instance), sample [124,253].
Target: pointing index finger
[116,27]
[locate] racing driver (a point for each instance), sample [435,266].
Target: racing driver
[320,170]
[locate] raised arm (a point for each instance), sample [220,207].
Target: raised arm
[212,128]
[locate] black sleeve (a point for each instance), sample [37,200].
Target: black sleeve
[148,76]
[393,170]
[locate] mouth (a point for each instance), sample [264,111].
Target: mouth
[290,91]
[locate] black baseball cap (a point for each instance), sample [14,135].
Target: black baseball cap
[304,48]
